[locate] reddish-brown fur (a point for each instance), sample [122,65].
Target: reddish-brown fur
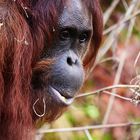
[23,33]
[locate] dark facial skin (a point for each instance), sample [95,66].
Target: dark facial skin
[69,46]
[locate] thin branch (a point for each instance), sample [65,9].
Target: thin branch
[110,10]
[132,7]
[137,135]
[116,81]
[106,88]
[117,77]
[125,4]
[87,127]
[109,59]
[118,96]
[109,42]
[88,134]
[113,27]
[136,61]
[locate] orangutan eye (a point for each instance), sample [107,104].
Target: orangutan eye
[83,37]
[64,35]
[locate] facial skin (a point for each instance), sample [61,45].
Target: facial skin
[70,43]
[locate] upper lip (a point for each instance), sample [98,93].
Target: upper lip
[61,97]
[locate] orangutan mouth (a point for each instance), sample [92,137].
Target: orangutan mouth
[60,97]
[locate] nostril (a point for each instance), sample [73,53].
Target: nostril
[69,61]
[72,59]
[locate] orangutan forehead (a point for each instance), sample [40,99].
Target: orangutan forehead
[75,12]
[71,5]
[74,3]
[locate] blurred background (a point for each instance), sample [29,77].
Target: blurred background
[112,111]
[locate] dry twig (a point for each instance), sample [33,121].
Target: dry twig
[87,127]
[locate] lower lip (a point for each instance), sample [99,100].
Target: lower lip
[60,97]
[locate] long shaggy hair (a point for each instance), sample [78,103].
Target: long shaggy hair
[26,26]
